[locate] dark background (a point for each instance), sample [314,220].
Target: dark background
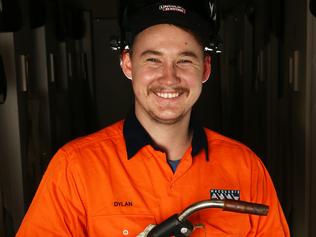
[62,81]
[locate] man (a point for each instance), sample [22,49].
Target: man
[158,160]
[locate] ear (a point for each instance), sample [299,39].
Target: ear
[126,64]
[207,68]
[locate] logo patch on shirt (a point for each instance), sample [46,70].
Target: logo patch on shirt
[222,194]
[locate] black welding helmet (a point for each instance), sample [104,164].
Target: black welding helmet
[199,16]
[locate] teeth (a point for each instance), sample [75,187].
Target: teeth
[168,95]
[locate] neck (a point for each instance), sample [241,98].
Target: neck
[174,138]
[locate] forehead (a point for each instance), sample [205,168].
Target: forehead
[169,36]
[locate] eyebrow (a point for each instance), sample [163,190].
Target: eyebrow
[155,52]
[148,52]
[189,54]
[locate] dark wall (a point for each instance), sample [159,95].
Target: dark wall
[99,8]
[260,93]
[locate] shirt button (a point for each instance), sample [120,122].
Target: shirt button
[125,232]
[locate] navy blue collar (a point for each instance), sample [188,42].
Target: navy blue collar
[137,137]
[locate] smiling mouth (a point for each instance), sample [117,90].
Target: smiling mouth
[168,95]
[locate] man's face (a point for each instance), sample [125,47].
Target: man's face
[167,67]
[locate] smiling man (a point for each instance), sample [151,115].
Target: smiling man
[167,74]
[158,160]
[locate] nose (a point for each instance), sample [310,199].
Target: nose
[170,74]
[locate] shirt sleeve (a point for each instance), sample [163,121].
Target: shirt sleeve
[57,208]
[263,191]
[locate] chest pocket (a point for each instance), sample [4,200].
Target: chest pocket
[119,225]
[222,223]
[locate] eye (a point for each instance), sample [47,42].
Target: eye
[153,60]
[184,61]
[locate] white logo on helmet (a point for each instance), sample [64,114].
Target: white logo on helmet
[212,9]
[173,8]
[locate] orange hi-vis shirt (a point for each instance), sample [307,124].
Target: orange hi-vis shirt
[92,188]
